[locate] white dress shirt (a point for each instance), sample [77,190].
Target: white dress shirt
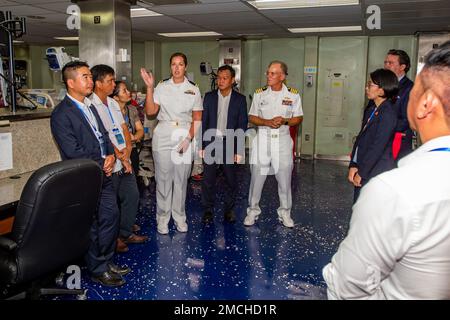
[112,120]
[222,112]
[398,245]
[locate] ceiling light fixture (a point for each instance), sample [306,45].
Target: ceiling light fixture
[35,17]
[143,12]
[325,29]
[190,34]
[67,38]
[289,4]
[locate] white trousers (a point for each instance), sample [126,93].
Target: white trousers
[172,171]
[271,155]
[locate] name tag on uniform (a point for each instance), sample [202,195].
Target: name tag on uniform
[190,92]
[119,136]
[287,102]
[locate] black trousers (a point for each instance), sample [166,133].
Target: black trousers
[104,230]
[210,177]
[127,200]
[134,157]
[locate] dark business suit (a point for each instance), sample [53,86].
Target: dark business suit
[236,119]
[76,140]
[374,142]
[405,86]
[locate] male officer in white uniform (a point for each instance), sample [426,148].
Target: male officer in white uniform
[275,107]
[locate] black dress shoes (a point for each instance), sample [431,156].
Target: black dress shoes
[207,217]
[229,216]
[114,268]
[109,279]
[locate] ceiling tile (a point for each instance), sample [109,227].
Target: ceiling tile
[5,3]
[22,10]
[59,7]
[162,24]
[33,2]
[202,8]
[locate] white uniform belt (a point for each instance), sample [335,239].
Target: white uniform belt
[274,135]
[175,123]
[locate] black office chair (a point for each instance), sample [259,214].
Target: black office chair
[51,226]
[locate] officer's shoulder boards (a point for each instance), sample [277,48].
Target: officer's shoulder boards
[193,83]
[259,90]
[164,80]
[293,90]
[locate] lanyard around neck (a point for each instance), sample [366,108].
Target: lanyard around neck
[370,118]
[91,122]
[440,149]
[110,114]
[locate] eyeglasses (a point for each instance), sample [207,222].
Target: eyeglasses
[272,74]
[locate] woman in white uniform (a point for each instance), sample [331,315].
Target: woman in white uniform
[178,103]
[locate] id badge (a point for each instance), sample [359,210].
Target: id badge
[101,140]
[119,136]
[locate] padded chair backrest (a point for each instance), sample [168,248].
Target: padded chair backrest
[54,216]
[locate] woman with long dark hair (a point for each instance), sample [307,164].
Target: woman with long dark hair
[131,116]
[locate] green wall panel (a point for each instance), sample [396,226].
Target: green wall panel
[340,95]
[196,52]
[252,69]
[291,51]
[379,46]
[137,62]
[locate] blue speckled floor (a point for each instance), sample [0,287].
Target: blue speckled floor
[226,261]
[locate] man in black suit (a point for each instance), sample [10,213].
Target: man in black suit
[80,134]
[224,122]
[398,62]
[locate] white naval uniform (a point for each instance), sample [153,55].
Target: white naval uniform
[272,148]
[176,101]
[112,120]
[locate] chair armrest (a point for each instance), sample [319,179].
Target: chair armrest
[7,244]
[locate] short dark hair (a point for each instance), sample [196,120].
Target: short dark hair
[386,80]
[229,68]
[67,70]
[437,63]
[403,58]
[283,65]
[178,54]
[100,71]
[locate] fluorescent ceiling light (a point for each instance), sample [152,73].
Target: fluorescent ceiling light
[67,38]
[18,41]
[325,29]
[287,4]
[190,34]
[250,34]
[142,12]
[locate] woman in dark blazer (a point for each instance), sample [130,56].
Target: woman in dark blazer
[372,151]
